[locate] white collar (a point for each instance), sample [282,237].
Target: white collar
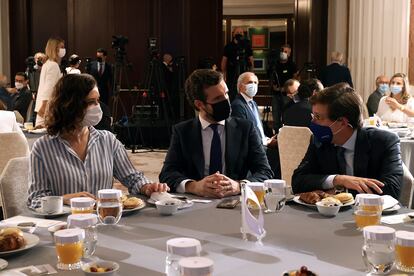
[246,98]
[205,124]
[350,143]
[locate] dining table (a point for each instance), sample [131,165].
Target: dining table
[295,236]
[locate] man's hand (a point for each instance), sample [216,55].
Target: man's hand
[150,188]
[67,197]
[272,143]
[360,184]
[216,185]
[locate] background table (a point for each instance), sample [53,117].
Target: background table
[297,236]
[407,149]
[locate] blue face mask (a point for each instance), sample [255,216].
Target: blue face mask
[322,133]
[395,89]
[383,88]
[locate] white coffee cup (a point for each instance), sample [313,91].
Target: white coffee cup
[52,204]
[28,125]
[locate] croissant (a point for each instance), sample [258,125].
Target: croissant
[11,239]
[310,197]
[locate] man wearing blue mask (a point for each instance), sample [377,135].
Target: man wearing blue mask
[374,99]
[210,155]
[244,106]
[342,154]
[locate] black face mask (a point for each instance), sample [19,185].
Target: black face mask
[221,110]
[99,59]
[238,37]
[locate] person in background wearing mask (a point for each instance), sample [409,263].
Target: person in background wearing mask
[21,95]
[102,71]
[74,63]
[374,99]
[73,148]
[49,76]
[245,107]
[398,107]
[210,155]
[342,154]
[237,59]
[281,71]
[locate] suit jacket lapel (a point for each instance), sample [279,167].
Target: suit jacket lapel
[361,154]
[196,145]
[233,141]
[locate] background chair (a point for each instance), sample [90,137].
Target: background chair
[12,145]
[13,186]
[407,189]
[293,143]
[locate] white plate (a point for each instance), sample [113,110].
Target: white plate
[66,210]
[127,211]
[183,205]
[392,209]
[31,241]
[298,201]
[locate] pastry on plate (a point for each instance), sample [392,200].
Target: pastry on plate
[132,202]
[11,239]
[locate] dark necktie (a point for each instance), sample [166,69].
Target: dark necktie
[340,156]
[100,69]
[215,151]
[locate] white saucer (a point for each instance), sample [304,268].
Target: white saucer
[37,212]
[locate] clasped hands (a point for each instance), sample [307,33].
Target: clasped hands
[216,185]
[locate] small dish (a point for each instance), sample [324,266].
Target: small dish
[60,226]
[328,211]
[167,207]
[101,264]
[38,212]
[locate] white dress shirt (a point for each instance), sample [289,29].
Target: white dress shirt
[349,153]
[206,137]
[397,116]
[8,122]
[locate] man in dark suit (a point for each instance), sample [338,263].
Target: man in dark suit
[298,112]
[21,95]
[210,155]
[335,72]
[244,107]
[344,155]
[103,73]
[374,99]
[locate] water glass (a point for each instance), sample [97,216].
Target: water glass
[109,206]
[275,197]
[178,248]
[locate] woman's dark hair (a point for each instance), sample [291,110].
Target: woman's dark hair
[341,101]
[198,81]
[68,104]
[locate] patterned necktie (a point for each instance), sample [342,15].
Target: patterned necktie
[340,156]
[215,152]
[257,119]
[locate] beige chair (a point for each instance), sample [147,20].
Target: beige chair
[13,186]
[12,145]
[293,143]
[407,189]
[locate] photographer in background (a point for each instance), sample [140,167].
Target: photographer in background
[237,59]
[74,63]
[279,72]
[103,73]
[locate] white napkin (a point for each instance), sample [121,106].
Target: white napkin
[38,131]
[389,202]
[43,223]
[397,219]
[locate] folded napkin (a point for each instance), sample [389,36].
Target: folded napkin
[32,270]
[43,223]
[389,202]
[397,219]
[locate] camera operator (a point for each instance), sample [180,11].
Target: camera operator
[237,59]
[74,63]
[103,73]
[280,71]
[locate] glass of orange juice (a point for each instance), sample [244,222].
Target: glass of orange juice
[404,250]
[259,189]
[82,205]
[69,248]
[368,210]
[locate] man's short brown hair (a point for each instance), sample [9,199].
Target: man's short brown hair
[341,101]
[198,81]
